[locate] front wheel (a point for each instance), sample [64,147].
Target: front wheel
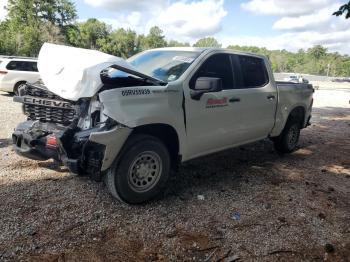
[288,140]
[17,87]
[141,172]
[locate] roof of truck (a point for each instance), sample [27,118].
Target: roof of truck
[202,49]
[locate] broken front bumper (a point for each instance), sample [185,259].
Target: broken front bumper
[32,145]
[94,150]
[89,151]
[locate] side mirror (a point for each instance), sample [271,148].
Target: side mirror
[206,85]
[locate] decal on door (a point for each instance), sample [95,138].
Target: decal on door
[217,102]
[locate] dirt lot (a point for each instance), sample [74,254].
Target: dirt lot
[292,207]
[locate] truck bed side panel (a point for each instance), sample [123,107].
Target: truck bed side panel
[291,96]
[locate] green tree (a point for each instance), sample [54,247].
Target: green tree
[89,34]
[57,12]
[317,52]
[174,43]
[122,43]
[141,42]
[9,38]
[344,9]
[154,39]
[52,34]
[207,42]
[30,23]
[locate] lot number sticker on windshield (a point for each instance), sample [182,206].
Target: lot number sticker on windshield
[183,59]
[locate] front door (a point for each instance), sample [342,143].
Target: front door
[210,117]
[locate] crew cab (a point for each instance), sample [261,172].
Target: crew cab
[131,122]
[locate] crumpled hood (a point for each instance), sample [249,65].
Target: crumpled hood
[74,73]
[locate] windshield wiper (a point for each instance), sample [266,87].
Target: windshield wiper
[153,80]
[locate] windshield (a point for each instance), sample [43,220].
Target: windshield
[166,65]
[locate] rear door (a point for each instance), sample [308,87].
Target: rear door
[257,96]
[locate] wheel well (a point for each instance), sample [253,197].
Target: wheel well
[17,85]
[167,134]
[297,114]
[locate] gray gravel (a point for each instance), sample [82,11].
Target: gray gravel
[290,207]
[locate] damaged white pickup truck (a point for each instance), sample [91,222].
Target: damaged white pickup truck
[131,122]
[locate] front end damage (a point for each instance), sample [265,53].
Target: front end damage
[75,134]
[77,115]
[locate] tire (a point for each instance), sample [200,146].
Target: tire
[141,172]
[288,140]
[17,87]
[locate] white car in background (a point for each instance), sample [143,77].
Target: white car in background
[296,79]
[292,78]
[16,71]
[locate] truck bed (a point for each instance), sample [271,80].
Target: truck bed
[286,83]
[291,95]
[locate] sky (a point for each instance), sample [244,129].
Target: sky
[274,24]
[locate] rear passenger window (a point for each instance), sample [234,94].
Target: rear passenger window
[33,66]
[253,71]
[22,66]
[218,66]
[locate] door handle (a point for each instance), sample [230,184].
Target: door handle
[234,100]
[271,97]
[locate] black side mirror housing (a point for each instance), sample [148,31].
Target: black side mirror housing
[206,85]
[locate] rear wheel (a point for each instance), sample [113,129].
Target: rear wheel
[141,172]
[288,140]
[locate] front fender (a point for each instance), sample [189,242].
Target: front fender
[138,106]
[113,140]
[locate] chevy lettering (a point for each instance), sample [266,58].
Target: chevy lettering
[46,102]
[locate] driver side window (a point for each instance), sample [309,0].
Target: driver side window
[218,66]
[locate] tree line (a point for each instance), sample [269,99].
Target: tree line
[30,23]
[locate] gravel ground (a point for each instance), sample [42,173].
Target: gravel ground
[248,203]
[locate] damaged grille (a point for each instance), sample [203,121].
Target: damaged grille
[41,92]
[41,104]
